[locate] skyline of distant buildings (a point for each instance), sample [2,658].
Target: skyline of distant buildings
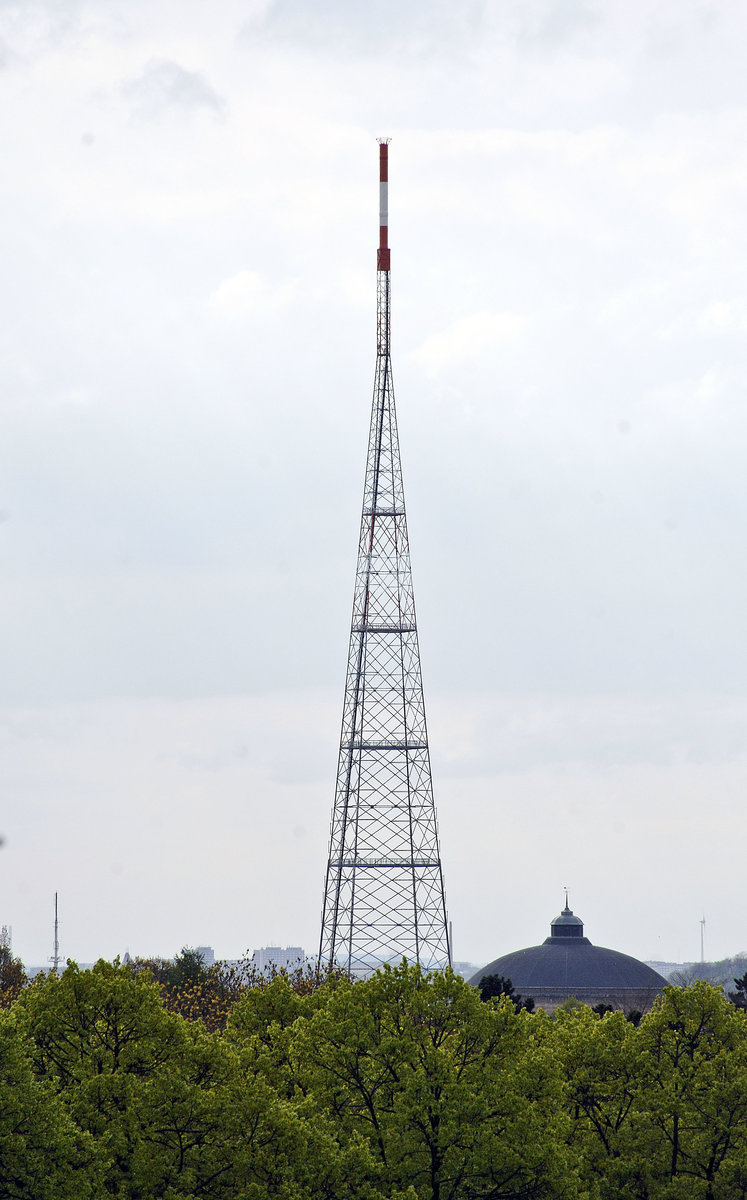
[276,957]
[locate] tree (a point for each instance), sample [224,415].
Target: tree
[739,997]
[602,1070]
[12,976]
[187,968]
[720,973]
[174,1112]
[493,986]
[454,1098]
[208,994]
[266,1023]
[602,1009]
[191,989]
[43,1156]
[157,968]
[692,1131]
[209,1127]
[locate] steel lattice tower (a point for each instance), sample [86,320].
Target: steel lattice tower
[384,892]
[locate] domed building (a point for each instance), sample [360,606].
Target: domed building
[567,964]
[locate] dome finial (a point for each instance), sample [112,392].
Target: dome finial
[566,901]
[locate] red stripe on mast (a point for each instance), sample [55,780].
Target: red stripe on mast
[383,162]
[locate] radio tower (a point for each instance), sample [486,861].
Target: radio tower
[384,892]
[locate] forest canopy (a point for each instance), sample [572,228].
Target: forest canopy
[404,1086]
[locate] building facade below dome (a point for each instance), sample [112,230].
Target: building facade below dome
[568,965]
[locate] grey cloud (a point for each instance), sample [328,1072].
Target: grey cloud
[493,734]
[548,24]
[164,86]
[421,27]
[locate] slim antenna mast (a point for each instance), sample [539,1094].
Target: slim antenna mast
[55,959]
[384,891]
[702,938]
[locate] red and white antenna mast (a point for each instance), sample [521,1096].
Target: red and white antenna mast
[384,892]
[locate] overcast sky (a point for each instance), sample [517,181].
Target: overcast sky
[189,212]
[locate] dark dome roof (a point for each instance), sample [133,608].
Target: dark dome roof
[567,964]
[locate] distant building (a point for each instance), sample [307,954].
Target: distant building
[208,955]
[279,957]
[465,969]
[568,965]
